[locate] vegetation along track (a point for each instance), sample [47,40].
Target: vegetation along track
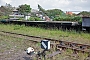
[58,44]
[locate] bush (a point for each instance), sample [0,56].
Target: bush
[67,18]
[31,19]
[21,18]
[37,19]
[34,19]
[3,17]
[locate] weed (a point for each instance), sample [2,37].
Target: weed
[53,33]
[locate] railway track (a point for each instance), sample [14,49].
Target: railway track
[58,44]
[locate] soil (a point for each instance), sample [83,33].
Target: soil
[14,48]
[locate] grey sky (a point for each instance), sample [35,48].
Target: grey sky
[65,5]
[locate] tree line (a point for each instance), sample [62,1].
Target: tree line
[54,14]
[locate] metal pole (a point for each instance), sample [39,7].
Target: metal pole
[43,54]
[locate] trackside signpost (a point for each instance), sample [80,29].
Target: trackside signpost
[45,44]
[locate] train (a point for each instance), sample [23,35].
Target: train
[86,23]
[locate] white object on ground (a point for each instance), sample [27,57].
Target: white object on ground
[30,49]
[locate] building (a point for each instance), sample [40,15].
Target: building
[15,15]
[69,13]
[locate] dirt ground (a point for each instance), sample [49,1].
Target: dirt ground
[14,48]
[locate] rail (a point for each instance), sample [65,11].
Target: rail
[58,44]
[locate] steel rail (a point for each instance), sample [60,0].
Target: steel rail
[58,44]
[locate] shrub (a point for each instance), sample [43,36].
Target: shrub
[3,17]
[34,19]
[21,18]
[68,18]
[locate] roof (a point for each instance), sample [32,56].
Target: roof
[70,13]
[86,17]
[15,10]
[34,10]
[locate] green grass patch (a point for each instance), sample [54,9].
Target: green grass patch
[54,33]
[13,46]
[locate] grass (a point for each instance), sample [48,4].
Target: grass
[68,55]
[53,33]
[11,47]
[17,45]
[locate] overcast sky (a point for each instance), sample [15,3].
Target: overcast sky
[65,5]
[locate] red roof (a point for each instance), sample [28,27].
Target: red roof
[69,13]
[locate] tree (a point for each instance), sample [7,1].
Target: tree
[54,13]
[5,11]
[24,9]
[41,10]
[84,13]
[9,6]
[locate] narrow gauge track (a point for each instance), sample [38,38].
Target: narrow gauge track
[58,44]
